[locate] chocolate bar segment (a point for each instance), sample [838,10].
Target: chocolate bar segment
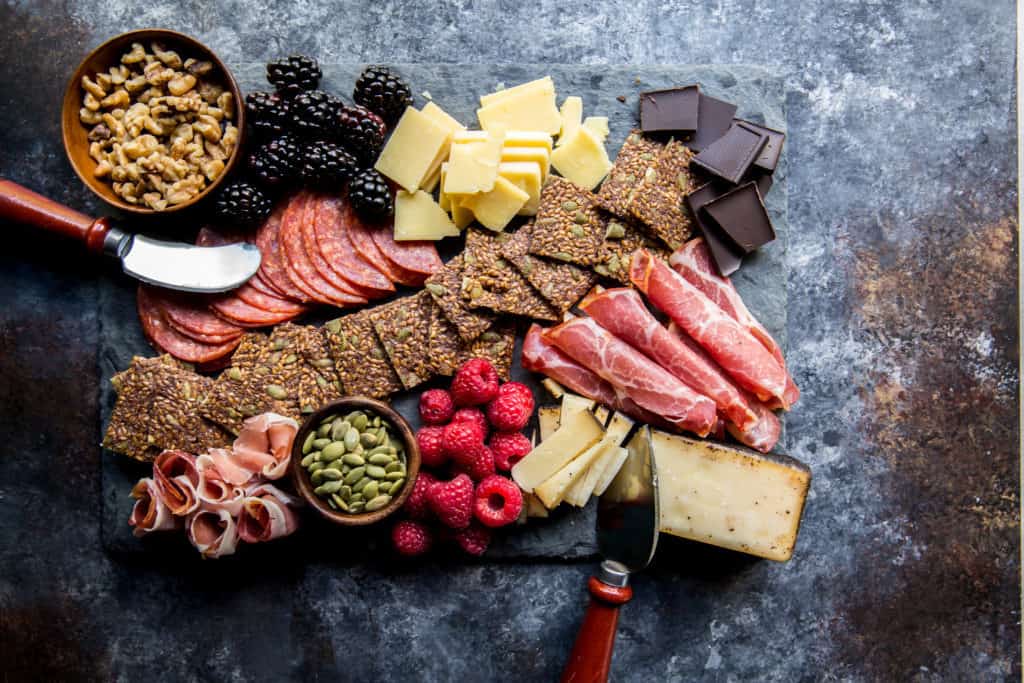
[714,120]
[675,110]
[769,157]
[741,215]
[731,156]
[726,257]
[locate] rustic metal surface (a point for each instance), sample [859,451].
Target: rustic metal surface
[902,321]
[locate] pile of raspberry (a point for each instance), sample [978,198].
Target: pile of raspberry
[471,435]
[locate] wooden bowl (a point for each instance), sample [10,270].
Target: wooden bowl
[74,132]
[300,477]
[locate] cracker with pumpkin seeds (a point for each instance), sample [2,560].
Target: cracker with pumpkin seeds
[658,199]
[318,378]
[569,226]
[623,237]
[403,327]
[637,154]
[121,378]
[494,283]
[445,286]
[496,345]
[562,284]
[448,351]
[359,358]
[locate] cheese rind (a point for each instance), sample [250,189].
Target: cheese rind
[730,497]
[554,489]
[572,117]
[572,437]
[416,142]
[582,159]
[496,209]
[418,217]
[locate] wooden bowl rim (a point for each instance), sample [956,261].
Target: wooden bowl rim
[72,99]
[303,485]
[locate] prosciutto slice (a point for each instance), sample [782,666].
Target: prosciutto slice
[622,312]
[648,384]
[149,512]
[738,352]
[214,533]
[176,478]
[267,513]
[693,262]
[264,445]
[214,492]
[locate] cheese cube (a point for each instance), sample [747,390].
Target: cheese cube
[537,155]
[544,84]
[553,490]
[533,110]
[418,217]
[582,159]
[526,176]
[409,155]
[548,419]
[572,437]
[609,470]
[473,168]
[572,117]
[497,208]
[598,125]
[730,497]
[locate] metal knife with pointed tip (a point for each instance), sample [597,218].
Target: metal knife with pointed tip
[627,536]
[174,265]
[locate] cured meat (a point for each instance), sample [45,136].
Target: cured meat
[213,491]
[271,303]
[190,316]
[362,242]
[693,262]
[176,479]
[149,512]
[267,513]
[648,384]
[338,252]
[264,445]
[418,256]
[260,283]
[212,339]
[272,269]
[164,338]
[307,228]
[735,350]
[214,533]
[622,312]
[238,312]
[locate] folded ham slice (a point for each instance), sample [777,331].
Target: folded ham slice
[736,351]
[622,312]
[213,491]
[176,478]
[648,384]
[267,513]
[149,512]
[693,262]
[214,533]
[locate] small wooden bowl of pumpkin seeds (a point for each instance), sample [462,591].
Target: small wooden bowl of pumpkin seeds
[354,461]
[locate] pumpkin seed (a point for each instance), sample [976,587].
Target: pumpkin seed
[327,487]
[378,502]
[580,218]
[334,325]
[376,471]
[309,460]
[339,502]
[355,498]
[395,466]
[361,484]
[345,492]
[387,450]
[376,421]
[330,473]
[332,504]
[332,451]
[368,439]
[395,476]
[235,374]
[562,256]
[355,475]
[370,490]
[396,486]
[570,205]
[351,440]
[355,507]
[353,459]
[615,231]
[277,391]
[336,465]
[321,442]
[436,289]
[403,334]
[317,466]
[359,421]
[338,429]
[382,459]
[323,362]
[317,477]
[323,431]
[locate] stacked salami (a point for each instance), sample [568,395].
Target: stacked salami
[223,496]
[315,250]
[713,368]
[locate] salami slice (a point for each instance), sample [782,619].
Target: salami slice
[297,263]
[164,338]
[417,256]
[213,339]
[190,316]
[367,249]
[272,269]
[270,303]
[316,257]
[338,251]
[261,283]
[234,310]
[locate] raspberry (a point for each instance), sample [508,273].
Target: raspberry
[436,407]
[474,539]
[461,440]
[474,415]
[479,465]
[452,501]
[411,538]
[511,408]
[475,383]
[509,448]
[417,505]
[498,501]
[431,451]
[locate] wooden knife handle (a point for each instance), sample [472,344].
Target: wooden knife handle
[591,656]
[22,205]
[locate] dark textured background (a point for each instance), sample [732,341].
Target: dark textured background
[903,335]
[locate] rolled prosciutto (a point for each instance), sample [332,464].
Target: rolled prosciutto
[176,478]
[648,384]
[213,491]
[540,355]
[214,533]
[267,513]
[149,512]
[264,445]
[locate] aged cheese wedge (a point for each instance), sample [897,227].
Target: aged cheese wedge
[532,110]
[610,469]
[572,117]
[598,125]
[548,418]
[527,177]
[582,159]
[415,143]
[573,403]
[473,168]
[536,155]
[418,217]
[554,489]
[573,436]
[496,209]
[544,84]
[730,497]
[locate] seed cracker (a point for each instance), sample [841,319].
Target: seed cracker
[620,250]
[493,283]
[448,351]
[318,378]
[658,199]
[403,327]
[562,284]
[360,359]
[568,227]
[637,154]
[445,287]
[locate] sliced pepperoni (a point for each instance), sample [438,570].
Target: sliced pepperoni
[190,315]
[202,338]
[339,253]
[316,257]
[238,312]
[260,283]
[164,338]
[367,249]
[272,269]
[419,256]
[272,304]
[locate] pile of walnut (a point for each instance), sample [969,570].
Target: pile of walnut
[161,127]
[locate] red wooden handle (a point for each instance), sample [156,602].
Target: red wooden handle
[22,205]
[591,656]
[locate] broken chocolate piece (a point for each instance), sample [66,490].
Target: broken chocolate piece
[726,257]
[714,120]
[674,110]
[741,215]
[769,157]
[731,156]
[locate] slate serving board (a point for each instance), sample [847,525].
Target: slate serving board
[569,533]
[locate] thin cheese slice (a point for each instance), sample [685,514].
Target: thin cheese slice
[579,493]
[527,177]
[548,418]
[537,155]
[473,168]
[598,125]
[496,209]
[573,403]
[443,200]
[418,217]
[730,497]
[441,117]
[582,159]
[572,117]
[544,84]
[533,110]
[410,153]
[611,468]
[619,427]
[573,436]
[553,490]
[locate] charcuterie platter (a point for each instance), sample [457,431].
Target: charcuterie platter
[414,290]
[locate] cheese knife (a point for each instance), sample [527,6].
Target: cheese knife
[174,265]
[627,535]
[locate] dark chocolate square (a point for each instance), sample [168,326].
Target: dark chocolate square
[715,117]
[741,215]
[671,110]
[726,257]
[769,157]
[731,155]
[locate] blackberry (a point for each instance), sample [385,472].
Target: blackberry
[362,132]
[267,112]
[315,114]
[295,74]
[327,165]
[278,161]
[243,204]
[370,195]
[382,92]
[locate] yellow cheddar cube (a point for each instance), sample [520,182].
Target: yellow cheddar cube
[526,176]
[598,125]
[582,159]
[409,156]
[537,155]
[418,217]
[497,208]
[572,117]
[542,84]
[531,110]
[473,168]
